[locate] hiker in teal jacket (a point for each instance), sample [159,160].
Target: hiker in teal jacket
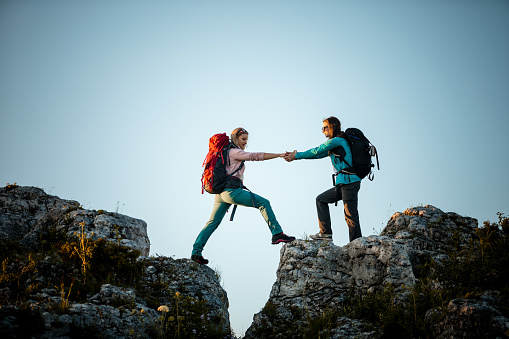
[346,185]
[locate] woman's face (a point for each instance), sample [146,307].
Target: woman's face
[242,140]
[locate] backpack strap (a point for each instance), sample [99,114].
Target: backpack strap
[334,175]
[235,206]
[233,212]
[238,169]
[253,199]
[232,145]
[340,154]
[374,152]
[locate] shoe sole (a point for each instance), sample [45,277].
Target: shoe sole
[198,261]
[326,239]
[281,240]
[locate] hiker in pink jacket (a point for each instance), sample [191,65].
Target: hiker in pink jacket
[236,193]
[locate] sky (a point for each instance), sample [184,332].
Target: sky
[112,103]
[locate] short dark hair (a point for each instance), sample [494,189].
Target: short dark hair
[335,124]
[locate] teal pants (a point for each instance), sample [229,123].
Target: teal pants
[222,202]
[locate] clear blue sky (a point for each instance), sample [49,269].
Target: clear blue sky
[111,103]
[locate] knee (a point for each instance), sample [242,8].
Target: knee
[319,200]
[262,202]
[350,205]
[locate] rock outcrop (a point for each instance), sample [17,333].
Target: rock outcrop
[315,277]
[47,291]
[21,208]
[428,233]
[119,312]
[26,211]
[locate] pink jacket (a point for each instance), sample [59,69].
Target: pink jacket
[237,156]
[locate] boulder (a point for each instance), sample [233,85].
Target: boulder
[21,207]
[476,317]
[25,212]
[316,276]
[429,233]
[319,275]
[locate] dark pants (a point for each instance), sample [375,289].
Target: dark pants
[349,194]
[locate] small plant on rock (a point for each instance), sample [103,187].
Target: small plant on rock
[63,306]
[187,317]
[9,187]
[84,249]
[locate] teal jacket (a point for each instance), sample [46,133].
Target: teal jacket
[323,150]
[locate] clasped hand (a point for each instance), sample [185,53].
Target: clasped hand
[290,156]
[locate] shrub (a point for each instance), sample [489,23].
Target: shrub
[483,265]
[115,264]
[187,317]
[17,275]
[9,248]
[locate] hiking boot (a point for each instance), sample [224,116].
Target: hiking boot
[321,236]
[281,237]
[199,259]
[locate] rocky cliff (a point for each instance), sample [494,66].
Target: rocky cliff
[72,272]
[325,286]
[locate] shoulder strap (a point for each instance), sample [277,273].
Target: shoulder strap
[340,153]
[232,145]
[238,169]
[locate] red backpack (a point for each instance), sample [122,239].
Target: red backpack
[214,177]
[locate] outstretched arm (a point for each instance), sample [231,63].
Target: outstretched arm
[315,153]
[238,154]
[268,156]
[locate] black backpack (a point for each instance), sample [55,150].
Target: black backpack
[362,152]
[214,177]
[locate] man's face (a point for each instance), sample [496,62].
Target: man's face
[327,130]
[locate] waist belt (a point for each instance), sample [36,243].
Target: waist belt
[234,182]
